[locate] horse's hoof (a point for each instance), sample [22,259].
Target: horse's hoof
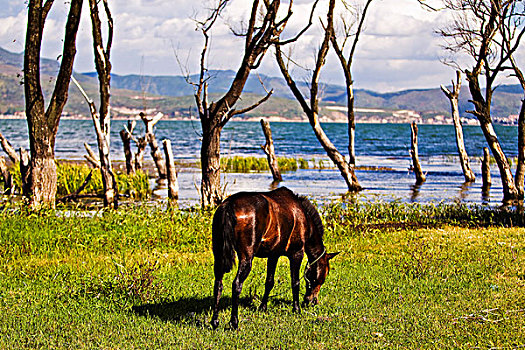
[214,323]
[311,302]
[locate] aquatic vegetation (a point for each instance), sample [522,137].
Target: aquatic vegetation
[241,164]
[71,176]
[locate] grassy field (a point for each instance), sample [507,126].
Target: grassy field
[408,277]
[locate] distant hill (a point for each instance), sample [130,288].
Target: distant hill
[173,95]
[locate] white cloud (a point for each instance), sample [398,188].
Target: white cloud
[399,48]
[12,31]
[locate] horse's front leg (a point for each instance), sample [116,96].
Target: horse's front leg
[295,267]
[245,267]
[270,281]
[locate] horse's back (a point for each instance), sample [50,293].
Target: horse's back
[267,223]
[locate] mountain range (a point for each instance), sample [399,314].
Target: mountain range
[173,95]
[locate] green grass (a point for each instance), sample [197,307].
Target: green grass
[407,277]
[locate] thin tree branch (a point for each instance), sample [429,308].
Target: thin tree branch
[235,112]
[302,31]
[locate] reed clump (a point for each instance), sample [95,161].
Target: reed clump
[71,176]
[239,164]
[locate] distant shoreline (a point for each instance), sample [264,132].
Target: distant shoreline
[257,119]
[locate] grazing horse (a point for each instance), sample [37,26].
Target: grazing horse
[268,225]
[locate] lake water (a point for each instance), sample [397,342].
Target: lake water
[377,145]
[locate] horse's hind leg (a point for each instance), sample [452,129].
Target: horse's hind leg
[245,267]
[217,291]
[270,281]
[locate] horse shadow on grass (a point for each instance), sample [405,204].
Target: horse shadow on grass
[193,309]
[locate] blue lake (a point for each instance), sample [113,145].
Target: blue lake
[377,145]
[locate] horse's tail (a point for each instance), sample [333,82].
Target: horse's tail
[222,239]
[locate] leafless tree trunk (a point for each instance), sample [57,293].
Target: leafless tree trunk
[150,138]
[463,156]
[485,170]
[25,172]
[8,149]
[101,119]
[490,33]
[173,185]
[312,109]
[346,64]
[262,30]
[43,123]
[420,176]
[269,150]
[6,175]
[520,168]
[482,112]
[141,149]
[519,178]
[126,135]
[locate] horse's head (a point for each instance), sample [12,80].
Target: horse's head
[315,275]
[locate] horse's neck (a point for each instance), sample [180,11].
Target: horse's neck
[314,247]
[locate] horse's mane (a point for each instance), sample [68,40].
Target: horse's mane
[312,213]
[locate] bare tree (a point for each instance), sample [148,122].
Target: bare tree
[453,96]
[512,31]
[43,123]
[414,154]
[101,118]
[346,64]
[490,33]
[263,30]
[269,150]
[311,109]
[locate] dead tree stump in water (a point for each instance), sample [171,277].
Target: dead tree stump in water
[150,122]
[420,176]
[485,170]
[173,184]
[126,134]
[269,150]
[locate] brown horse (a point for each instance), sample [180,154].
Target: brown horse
[268,225]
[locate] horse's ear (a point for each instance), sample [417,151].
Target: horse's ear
[332,255]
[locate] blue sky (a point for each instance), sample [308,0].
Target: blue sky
[399,48]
